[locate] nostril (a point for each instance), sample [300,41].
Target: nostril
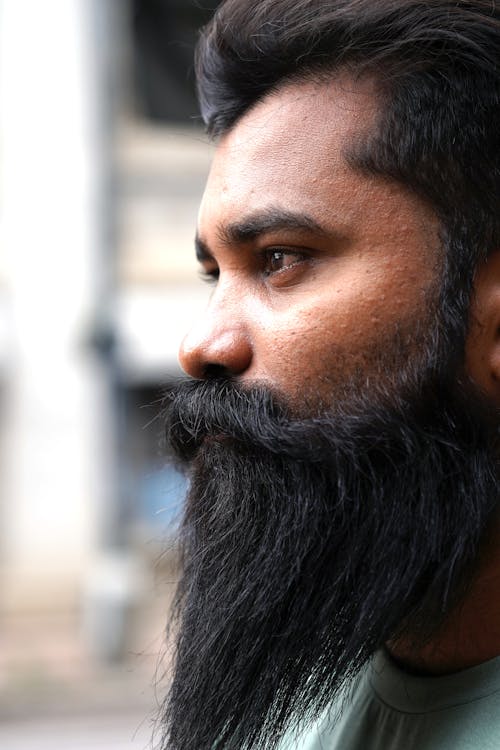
[214,372]
[214,349]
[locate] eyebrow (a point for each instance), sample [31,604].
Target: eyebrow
[257,224]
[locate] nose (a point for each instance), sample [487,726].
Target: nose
[218,344]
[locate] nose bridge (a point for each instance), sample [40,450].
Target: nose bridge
[219,340]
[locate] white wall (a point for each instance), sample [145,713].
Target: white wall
[49,171]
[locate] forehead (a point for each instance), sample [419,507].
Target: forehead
[291,146]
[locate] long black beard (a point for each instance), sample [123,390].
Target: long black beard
[307,543]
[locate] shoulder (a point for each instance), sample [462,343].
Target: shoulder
[386,709]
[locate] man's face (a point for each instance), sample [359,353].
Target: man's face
[316,264]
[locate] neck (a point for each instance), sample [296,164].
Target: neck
[470,634]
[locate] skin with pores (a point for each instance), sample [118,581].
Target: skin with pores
[368,267]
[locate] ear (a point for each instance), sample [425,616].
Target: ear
[482,354]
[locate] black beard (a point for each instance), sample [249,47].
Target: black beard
[307,543]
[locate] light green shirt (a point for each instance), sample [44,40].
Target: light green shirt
[389,709]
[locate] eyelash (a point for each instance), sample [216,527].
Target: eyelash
[211,277]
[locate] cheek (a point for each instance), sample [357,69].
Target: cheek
[296,345]
[330,335]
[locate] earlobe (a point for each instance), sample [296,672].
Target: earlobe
[483,343]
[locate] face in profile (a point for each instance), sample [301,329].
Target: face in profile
[315,267]
[340,464]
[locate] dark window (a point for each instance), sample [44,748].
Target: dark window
[164,34]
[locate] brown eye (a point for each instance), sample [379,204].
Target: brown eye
[280,260]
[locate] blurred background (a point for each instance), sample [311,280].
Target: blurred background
[102,166]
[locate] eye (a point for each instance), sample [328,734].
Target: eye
[278,260]
[210,275]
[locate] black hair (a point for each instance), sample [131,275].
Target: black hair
[437,68]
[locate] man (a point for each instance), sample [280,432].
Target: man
[341,565]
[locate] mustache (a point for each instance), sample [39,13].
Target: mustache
[196,412]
